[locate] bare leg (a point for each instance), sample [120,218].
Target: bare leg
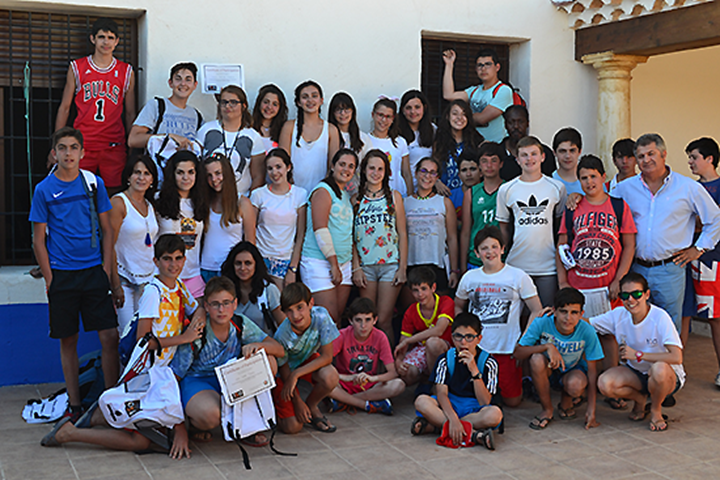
[610,349]
[379,391]
[289,425]
[105,437]
[279,282]
[685,330]
[488,417]
[69,360]
[661,383]
[430,409]
[329,300]
[715,331]
[434,347]
[110,359]
[386,296]
[540,376]
[325,379]
[203,410]
[620,382]
[412,376]
[574,384]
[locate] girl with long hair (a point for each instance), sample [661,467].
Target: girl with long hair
[456,133]
[135,228]
[182,208]
[343,114]
[230,220]
[281,211]
[310,140]
[233,136]
[326,264]
[385,136]
[269,115]
[416,127]
[380,238]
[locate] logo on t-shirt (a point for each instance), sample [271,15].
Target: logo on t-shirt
[531,210]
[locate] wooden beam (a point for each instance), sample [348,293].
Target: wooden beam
[664,32]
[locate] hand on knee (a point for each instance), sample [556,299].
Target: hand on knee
[538,363]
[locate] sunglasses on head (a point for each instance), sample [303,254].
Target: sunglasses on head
[636,294]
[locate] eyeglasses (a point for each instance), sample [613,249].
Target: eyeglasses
[219,305]
[343,109]
[480,66]
[636,294]
[232,103]
[425,171]
[468,337]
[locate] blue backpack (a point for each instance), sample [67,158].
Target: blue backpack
[481,360]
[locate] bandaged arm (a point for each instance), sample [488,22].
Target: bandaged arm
[325,242]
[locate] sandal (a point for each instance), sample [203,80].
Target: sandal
[616,403]
[201,436]
[540,423]
[252,440]
[420,427]
[49,440]
[566,414]
[639,416]
[658,427]
[485,438]
[321,424]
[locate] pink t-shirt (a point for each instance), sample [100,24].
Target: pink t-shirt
[353,357]
[596,246]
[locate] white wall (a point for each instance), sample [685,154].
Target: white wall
[677,96]
[364,47]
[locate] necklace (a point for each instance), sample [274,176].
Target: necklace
[148,238]
[374,194]
[425,197]
[232,145]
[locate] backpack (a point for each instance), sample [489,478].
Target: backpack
[450,360]
[618,206]
[262,301]
[161,114]
[517,98]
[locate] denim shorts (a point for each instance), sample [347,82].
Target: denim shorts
[380,273]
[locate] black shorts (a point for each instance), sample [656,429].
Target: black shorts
[643,377]
[75,293]
[441,277]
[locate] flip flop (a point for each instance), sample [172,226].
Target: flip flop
[423,424]
[539,425]
[616,403]
[49,440]
[566,414]
[485,438]
[201,436]
[315,423]
[658,427]
[252,440]
[636,416]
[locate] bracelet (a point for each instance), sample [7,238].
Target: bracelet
[356,269]
[455,271]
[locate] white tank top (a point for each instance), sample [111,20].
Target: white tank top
[219,240]
[310,159]
[134,255]
[427,231]
[190,230]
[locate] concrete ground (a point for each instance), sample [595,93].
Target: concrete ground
[379,447]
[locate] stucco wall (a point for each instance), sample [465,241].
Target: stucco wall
[677,96]
[365,48]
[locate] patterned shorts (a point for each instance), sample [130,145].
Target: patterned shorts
[276,267]
[416,357]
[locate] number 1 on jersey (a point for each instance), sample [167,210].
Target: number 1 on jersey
[99,114]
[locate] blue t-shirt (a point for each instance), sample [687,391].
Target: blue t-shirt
[570,187]
[65,208]
[215,352]
[298,348]
[571,347]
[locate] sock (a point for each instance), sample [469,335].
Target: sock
[367,405]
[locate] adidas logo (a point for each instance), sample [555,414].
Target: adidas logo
[533,207]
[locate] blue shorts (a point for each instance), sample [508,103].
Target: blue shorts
[189,386]
[463,406]
[208,274]
[276,267]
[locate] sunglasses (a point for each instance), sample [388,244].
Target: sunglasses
[468,337]
[636,294]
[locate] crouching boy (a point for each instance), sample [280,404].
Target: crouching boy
[358,352]
[563,351]
[465,379]
[226,337]
[307,335]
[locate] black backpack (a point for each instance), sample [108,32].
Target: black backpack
[618,206]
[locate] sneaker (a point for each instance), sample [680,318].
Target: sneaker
[380,406]
[717,380]
[333,406]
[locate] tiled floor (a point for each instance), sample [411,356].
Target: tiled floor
[379,447]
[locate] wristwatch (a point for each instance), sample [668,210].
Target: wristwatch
[477,376]
[639,356]
[293,270]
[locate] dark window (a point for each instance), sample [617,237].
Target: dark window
[46,43]
[464,73]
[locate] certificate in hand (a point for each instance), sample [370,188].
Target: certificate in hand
[243,378]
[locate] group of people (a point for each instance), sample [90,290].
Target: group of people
[251,232]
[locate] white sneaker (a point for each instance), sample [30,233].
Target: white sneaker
[717,380]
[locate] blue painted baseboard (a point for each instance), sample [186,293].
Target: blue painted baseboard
[27,353]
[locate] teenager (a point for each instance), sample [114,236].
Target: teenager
[343,114]
[385,136]
[416,127]
[269,115]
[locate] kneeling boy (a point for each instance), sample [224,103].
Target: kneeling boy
[226,337]
[307,335]
[358,351]
[463,390]
[564,351]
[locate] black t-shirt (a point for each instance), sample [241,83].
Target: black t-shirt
[511,169]
[460,383]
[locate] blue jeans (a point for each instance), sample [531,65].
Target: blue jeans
[208,274]
[667,288]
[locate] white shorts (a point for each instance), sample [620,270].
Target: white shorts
[315,274]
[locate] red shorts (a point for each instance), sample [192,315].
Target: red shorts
[353,388]
[509,375]
[285,409]
[108,163]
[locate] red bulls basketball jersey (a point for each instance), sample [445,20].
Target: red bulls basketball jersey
[99,96]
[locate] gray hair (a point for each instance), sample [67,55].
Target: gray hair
[649,138]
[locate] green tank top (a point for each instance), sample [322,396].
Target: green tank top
[483,214]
